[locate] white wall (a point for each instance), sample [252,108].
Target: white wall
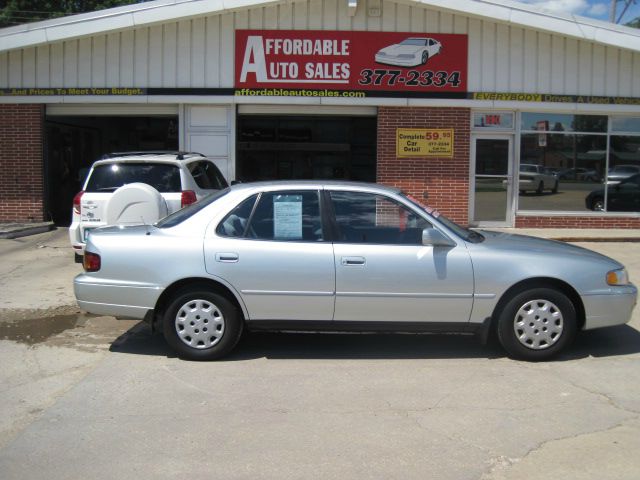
[199,52]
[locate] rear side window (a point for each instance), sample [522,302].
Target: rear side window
[107,178]
[181,215]
[207,175]
[235,224]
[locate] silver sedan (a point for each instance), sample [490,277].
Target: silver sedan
[339,256]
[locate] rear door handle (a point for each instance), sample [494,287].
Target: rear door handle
[350,261]
[227,257]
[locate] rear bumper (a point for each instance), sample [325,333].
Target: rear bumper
[610,309]
[116,299]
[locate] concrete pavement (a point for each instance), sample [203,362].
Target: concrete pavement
[105,399]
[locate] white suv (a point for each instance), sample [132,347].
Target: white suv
[139,188]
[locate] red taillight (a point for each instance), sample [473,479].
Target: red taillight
[188,197]
[91,262]
[76,202]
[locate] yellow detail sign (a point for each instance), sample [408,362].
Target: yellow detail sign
[422,142]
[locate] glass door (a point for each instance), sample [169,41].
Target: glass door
[491,171]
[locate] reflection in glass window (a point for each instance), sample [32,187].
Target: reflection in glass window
[557,171]
[369,218]
[625,124]
[558,122]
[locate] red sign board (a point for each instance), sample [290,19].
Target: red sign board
[341,60]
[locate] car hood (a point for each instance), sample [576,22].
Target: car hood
[507,242]
[398,49]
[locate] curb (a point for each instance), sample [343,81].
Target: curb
[26,230]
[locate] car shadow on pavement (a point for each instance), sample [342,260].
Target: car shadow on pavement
[614,341]
[604,342]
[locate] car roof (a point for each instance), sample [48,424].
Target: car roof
[293,184]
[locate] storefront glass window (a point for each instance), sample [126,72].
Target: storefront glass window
[557,122]
[557,172]
[625,124]
[568,163]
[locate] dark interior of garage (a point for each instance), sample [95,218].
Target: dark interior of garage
[73,143]
[306,148]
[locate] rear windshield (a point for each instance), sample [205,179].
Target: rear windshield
[108,177]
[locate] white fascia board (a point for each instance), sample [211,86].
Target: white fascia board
[89,27]
[120,18]
[527,16]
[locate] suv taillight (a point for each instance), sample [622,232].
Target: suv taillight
[188,197]
[76,202]
[91,262]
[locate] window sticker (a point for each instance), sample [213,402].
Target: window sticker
[287,216]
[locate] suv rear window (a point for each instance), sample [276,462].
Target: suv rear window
[109,177]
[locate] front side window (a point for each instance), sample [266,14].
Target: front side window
[370,218]
[287,216]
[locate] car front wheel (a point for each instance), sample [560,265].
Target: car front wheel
[201,325]
[537,324]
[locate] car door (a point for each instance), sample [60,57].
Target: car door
[271,248]
[385,274]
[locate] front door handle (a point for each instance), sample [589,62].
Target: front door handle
[350,261]
[227,257]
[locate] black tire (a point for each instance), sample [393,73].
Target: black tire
[78,258]
[555,187]
[211,313]
[425,57]
[540,187]
[547,307]
[598,204]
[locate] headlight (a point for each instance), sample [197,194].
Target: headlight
[381,53]
[618,277]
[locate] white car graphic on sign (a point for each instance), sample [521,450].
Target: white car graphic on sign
[411,52]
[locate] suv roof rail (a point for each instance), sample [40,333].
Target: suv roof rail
[179,155]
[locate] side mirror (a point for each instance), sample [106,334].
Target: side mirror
[431,236]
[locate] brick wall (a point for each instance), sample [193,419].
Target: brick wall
[21,164]
[446,180]
[577,222]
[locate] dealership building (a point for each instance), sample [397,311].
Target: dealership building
[496,113]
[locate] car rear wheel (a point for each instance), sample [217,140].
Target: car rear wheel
[540,187]
[555,187]
[201,325]
[537,324]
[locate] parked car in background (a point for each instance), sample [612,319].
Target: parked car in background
[621,172]
[621,197]
[534,178]
[344,256]
[139,188]
[410,52]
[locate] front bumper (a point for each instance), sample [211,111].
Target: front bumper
[610,309]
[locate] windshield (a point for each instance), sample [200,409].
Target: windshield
[181,215]
[414,41]
[464,233]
